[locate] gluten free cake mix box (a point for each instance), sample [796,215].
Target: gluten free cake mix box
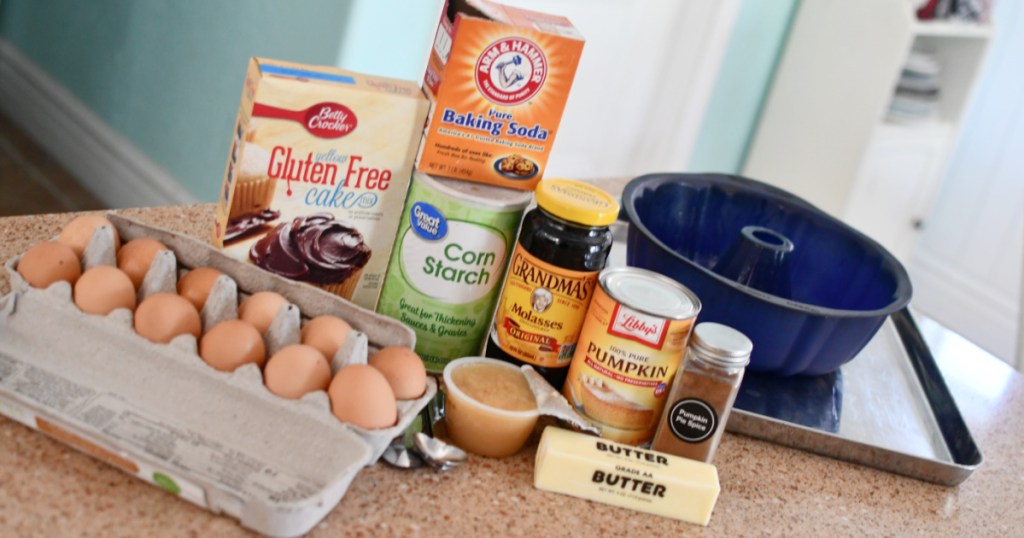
[499,78]
[318,171]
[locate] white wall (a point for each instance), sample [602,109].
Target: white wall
[642,85]
[968,265]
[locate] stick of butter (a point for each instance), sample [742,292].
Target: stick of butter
[622,475]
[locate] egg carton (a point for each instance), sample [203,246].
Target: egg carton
[220,440]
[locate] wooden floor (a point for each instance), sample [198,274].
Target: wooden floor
[31,181]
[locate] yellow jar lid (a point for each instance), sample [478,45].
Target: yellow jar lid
[577,202]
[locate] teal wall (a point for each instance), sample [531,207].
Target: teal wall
[168,75]
[390,38]
[759,35]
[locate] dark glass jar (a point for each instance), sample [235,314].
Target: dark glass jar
[563,244]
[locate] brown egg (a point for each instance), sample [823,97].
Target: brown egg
[232,343]
[196,285]
[103,289]
[260,308]
[46,263]
[163,316]
[361,395]
[295,371]
[403,369]
[77,233]
[136,256]
[326,333]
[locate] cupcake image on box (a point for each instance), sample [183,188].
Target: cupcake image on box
[254,189]
[317,249]
[324,164]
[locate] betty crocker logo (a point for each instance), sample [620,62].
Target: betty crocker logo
[511,71]
[324,120]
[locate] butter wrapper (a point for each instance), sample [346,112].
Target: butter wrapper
[622,475]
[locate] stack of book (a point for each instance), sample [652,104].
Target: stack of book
[917,94]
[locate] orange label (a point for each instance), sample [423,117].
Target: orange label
[85,446]
[500,90]
[541,310]
[623,368]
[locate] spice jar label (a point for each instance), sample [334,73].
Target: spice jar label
[703,392]
[692,420]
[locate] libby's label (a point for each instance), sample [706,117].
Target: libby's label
[644,328]
[541,310]
[623,367]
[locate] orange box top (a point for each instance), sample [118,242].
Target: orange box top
[326,75]
[499,78]
[524,18]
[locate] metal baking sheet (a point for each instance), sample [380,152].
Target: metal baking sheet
[888,408]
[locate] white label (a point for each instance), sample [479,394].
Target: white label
[180,448]
[442,44]
[460,267]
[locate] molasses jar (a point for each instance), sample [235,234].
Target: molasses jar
[563,244]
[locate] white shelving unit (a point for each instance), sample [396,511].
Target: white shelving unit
[823,133]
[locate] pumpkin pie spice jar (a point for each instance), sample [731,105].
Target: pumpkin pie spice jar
[703,393]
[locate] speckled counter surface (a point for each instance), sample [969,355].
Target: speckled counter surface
[47,489]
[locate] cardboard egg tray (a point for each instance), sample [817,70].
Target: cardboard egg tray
[157,411]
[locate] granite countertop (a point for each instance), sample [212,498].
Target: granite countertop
[48,489]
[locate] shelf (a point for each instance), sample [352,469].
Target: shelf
[964,30]
[830,79]
[929,129]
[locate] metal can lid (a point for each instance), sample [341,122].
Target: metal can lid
[577,202]
[477,193]
[721,344]
[649,292]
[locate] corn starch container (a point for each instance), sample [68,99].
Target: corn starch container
[448,263]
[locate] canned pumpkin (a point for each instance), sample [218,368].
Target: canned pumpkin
[631,344]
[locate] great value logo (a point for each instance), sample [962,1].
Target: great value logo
[427,221]
[511,71]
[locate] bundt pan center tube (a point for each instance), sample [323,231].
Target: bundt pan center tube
[809,290]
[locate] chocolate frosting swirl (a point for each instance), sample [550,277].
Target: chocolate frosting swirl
[314,248]
[249,223]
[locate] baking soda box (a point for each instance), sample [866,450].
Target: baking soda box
[498,78]
[318,171]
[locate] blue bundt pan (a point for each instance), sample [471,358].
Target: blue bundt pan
[814,290]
